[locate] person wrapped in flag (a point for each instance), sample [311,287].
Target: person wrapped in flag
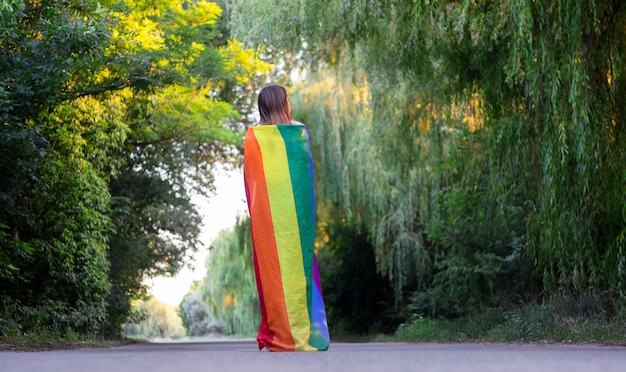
[278,176]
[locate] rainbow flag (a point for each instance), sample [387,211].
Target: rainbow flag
[278,176]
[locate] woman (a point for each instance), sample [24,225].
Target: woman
[278,176]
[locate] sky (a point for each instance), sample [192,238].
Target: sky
[219,212]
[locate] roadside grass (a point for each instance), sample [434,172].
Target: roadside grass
[45,340]
[552,323]
[558,321]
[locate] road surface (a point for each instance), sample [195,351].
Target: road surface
[242,355]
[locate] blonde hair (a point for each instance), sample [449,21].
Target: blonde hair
[274,105]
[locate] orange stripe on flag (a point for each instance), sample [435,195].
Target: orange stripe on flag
[286,231]
[265,249]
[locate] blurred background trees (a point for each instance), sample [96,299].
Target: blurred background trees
[228,289]
[152,319]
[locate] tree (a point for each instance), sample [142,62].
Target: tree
[196,317]
[178,133]
[495,129]
[55,213]
[97,99]
[229,288]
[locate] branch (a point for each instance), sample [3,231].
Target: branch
[116,85]
[165,139]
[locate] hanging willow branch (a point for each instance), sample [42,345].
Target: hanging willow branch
[488,155]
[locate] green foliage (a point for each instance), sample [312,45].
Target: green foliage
[479,245]
[229,288]
[177,134]
[563,319]
[479,143]
[51,53]
[352,171]
[428,330]
[57,206]
[8,325]
[97,99]
[156,231]
[13,252]
[20,156]
[62,283]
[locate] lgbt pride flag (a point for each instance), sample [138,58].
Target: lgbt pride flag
[278,175]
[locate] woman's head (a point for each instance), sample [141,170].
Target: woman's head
[274,107]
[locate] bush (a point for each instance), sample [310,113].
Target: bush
[196,318]
[64,284]
[561,319]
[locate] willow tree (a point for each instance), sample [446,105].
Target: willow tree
[492,155]
[229,290]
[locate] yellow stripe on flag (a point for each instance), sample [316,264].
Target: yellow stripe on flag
[287,234]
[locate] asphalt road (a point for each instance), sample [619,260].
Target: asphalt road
[242,355]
